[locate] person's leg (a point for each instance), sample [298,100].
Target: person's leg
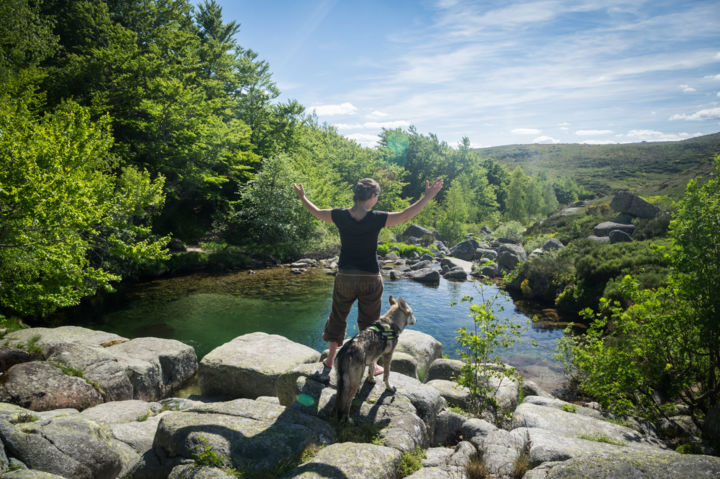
[369,306]
[342,300]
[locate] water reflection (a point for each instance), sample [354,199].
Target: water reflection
[208,310]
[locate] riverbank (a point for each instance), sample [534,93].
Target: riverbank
[274,421]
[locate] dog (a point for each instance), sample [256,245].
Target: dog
[364,349]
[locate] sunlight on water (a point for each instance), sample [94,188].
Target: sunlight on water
[206,311]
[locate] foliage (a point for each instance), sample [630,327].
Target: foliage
[571,408]
[476,469]
[269,216]
[695,258]
[205,456]
[646,168]
[510,229]
[411,461]
[590,270]
[71,222]
[478,349]
[402,249]
[644,358]
[599,437]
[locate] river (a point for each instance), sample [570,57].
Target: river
[206,311]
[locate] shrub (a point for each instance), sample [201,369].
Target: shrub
[411,461]
[402,249]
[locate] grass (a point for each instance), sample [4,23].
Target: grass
[411,461]
[78,373]
[569,408]
[23,418]
[205,456]
[369,433]
[689,448]
[599,437]
[144,417]
[31,346]
[476,469]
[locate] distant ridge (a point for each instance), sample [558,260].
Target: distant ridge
[649,168]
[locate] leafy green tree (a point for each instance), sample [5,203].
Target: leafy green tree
[662,348]
[455,212]
[517,196]
[269,218]
[26,39]
[71,222]
[483,371]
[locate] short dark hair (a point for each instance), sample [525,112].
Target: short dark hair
[365,189]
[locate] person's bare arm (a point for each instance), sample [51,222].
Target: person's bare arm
[400,217]
[324,214]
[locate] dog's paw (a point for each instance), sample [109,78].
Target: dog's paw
[390,388]
[371,379]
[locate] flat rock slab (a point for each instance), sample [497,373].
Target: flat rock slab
[156,367]
[350,460]
[423,347]
[29,474]
[604,229]
[406,417]
[530,414]
[41,386]
[61,335]
[98,365]
[249,365]
[631,464]
[69,446]
[252,436]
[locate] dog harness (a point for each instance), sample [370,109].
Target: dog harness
[386,332]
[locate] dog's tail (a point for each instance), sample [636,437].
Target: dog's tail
[340,368]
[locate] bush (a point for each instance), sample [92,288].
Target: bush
[402,249]
[512,229]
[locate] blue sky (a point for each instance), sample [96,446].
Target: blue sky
[498,72]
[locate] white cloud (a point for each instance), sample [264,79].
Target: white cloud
[386,124]
[653,135]
[373,125]
[332,110]
[598,142]
[364,139]
[377,114]
[687,88]
[717,56]
[718,93]
[526,131]
[545,139]
[593,132]
[708,114]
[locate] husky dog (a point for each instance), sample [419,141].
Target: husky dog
[364,349]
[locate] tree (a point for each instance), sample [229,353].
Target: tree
[269,216]
[516,205]
[26,39]
[455,212]
[71,222]
[479,349]
[664,347]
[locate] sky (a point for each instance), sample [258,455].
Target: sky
[496,72]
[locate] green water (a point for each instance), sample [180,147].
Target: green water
[206,311]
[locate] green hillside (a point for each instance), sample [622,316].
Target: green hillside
[645,168]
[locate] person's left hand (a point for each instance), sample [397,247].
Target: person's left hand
[434,189]
[299,190]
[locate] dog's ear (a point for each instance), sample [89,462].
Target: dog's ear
[403,305]
[392,301]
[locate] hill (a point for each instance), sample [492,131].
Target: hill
[645,168]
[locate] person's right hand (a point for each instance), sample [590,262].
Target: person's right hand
[299,190]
